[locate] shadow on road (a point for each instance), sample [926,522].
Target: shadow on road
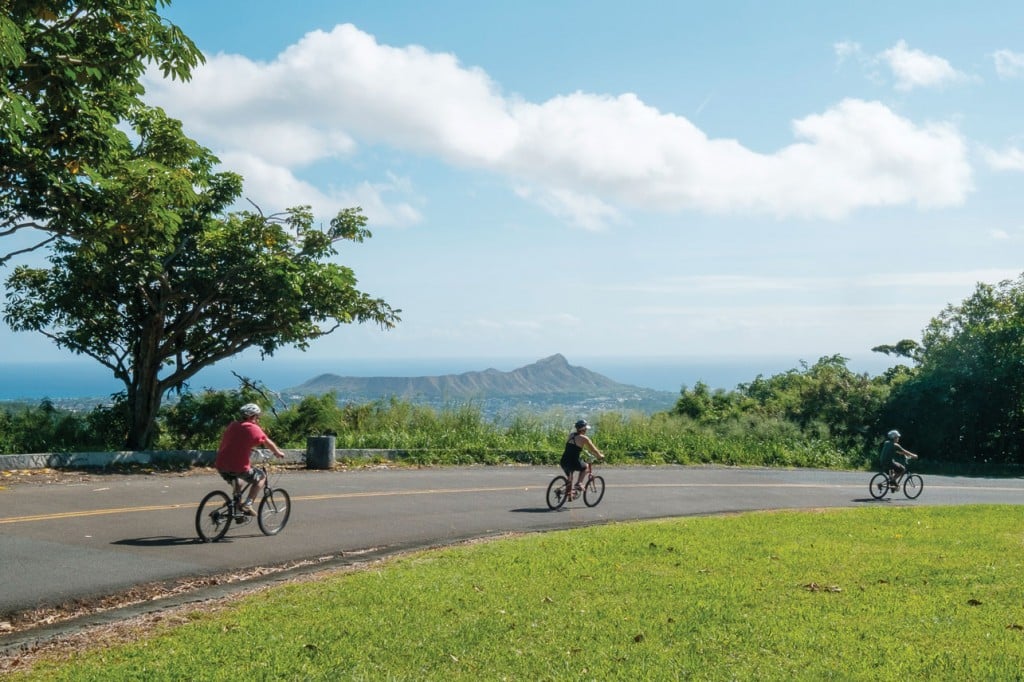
[532,510]
[870,499]
[158,541]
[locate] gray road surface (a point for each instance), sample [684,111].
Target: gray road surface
[65,541]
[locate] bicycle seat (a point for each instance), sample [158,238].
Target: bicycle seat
[228,476]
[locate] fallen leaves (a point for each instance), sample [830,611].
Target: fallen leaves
[815,587]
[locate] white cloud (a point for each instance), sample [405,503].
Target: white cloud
[1008,64]
[917,69]
[587,212]
[701,285]
[846,49]
[962,278]
[1010,159]
[274,187]
[583,156]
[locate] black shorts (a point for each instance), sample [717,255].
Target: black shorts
[569,466]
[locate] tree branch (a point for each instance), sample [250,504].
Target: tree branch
[28,249]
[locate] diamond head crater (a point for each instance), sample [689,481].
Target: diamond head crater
[551,383]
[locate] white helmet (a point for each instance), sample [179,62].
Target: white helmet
[893,434]
[250,410]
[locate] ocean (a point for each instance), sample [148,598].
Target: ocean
[85,379]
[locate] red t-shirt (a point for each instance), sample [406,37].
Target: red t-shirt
[236,446]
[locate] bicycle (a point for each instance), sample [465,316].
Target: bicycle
[885,482]
[218,510]
[559,493]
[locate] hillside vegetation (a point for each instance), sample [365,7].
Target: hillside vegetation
[959,402]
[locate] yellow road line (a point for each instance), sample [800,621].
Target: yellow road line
[166,507]
[88,512]
[449,491]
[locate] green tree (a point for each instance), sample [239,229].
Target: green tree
[71,73]
[965,399]
[42,428]
[826,393]
[704,405]
[197,420]
[907,348]
[169,283]
[313,415]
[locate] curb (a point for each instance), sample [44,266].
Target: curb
[94,460]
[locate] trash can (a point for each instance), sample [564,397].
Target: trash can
[320,452]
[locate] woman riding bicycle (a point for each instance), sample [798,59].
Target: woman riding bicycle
[572,460]
[235,451]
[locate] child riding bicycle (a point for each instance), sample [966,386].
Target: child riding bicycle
[893,457]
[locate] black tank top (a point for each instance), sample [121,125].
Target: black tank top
[571,449]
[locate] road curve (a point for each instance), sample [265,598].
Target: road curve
[63,542]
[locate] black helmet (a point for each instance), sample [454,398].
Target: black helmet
[581,423]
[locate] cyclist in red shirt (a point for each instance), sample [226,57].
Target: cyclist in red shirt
[235,450]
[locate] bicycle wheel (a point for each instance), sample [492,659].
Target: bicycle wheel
[275,509]
[879,486]
[213,518]
[557,492]
[594,491]
[913,486]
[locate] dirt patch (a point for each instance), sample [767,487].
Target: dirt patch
[32,619]
[46,476]
[10,478]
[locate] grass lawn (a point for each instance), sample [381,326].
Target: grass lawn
[865,594]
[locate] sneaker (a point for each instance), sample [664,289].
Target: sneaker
[247,509]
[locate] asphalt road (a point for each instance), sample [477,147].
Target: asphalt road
[61,542]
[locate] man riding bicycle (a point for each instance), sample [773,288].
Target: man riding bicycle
[235,451]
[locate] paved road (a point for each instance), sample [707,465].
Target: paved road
[67,541]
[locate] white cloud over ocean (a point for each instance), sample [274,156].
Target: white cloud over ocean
[582,156]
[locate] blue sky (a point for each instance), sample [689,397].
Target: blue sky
[642,179]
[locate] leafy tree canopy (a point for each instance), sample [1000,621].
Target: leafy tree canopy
[966,397]
[71,73]
[168,282]
[907,348]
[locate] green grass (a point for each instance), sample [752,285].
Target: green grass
[863,594]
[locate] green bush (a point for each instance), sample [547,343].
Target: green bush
[457,434]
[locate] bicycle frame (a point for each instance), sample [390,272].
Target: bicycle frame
[219,510]
[883,483]
[559,493]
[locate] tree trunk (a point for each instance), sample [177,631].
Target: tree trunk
[146,390]
[144,409]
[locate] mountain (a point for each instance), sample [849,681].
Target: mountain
[546,383]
